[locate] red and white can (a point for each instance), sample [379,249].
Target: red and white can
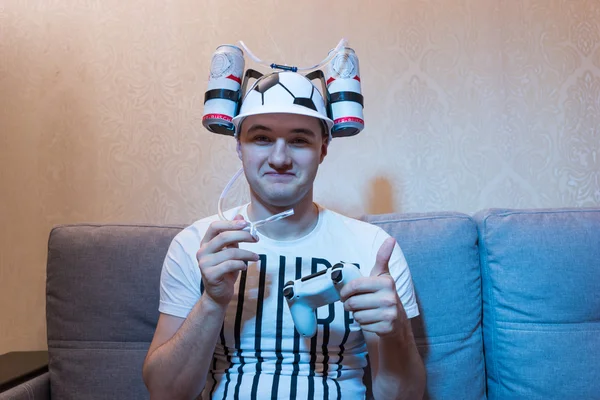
[221,100]
[342,76]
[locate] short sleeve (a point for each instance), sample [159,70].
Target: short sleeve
[180,279]
[400,271]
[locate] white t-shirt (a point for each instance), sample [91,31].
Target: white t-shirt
[259,352]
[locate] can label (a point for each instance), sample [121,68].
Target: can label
[226,69]
[343,75]
[227,63]
[217,116]
[349,119]
[344,65]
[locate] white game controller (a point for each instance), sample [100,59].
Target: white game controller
[306,294]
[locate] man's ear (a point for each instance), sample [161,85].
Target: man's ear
[238,148]
[324,147]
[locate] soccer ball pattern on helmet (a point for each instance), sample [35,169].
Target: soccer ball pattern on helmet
[274,88]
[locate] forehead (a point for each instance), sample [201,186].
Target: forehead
[282,123]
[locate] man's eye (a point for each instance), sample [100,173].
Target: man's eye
[300,141]
[261,139]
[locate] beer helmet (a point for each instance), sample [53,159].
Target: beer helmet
[285,89]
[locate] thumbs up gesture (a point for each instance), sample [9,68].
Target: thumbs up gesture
[373,300]
[383,258]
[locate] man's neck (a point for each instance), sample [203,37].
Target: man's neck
[305,218]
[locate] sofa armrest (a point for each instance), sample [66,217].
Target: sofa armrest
[36,388]
[19,368]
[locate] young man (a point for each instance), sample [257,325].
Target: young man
[225,330]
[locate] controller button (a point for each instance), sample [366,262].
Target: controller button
[311,276]
[336,276]
[288,292]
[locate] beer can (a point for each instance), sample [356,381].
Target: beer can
[342,76]
[221,100]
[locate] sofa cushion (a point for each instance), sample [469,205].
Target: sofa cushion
[540,271]
[102,307]
[442,254]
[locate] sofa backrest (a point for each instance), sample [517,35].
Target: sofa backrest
[102,307]
[102,301]
[442,254]
[541,302]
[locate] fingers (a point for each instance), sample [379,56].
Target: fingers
[218,227]
[223,247]
[385,316]
[220,258]
[225,238]
[382,321]
[213,259]
[373,302]
[219,250]
[367,285]
[216,274]
[381,328]
[369,302]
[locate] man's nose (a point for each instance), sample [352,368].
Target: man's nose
[279,156]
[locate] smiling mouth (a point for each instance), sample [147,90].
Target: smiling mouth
[279,175]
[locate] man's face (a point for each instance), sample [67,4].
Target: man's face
[281,154]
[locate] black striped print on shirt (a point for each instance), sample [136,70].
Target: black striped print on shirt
[279,326]
[325,339]
[258,325]
[348,320]
[237,333]
[296,368]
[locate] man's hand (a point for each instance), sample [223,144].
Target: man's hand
[220,259]
[373,299]
[396,366]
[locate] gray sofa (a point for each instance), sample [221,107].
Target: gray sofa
[510,304]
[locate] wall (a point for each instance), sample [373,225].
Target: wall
[469,104]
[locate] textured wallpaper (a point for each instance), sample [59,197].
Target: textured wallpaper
[469,104]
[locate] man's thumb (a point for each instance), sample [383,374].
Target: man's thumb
[383,257]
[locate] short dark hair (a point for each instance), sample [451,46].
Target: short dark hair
[324,129]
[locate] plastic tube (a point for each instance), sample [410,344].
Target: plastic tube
[331,54]
[252,228]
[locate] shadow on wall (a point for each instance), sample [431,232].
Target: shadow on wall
[381,197]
